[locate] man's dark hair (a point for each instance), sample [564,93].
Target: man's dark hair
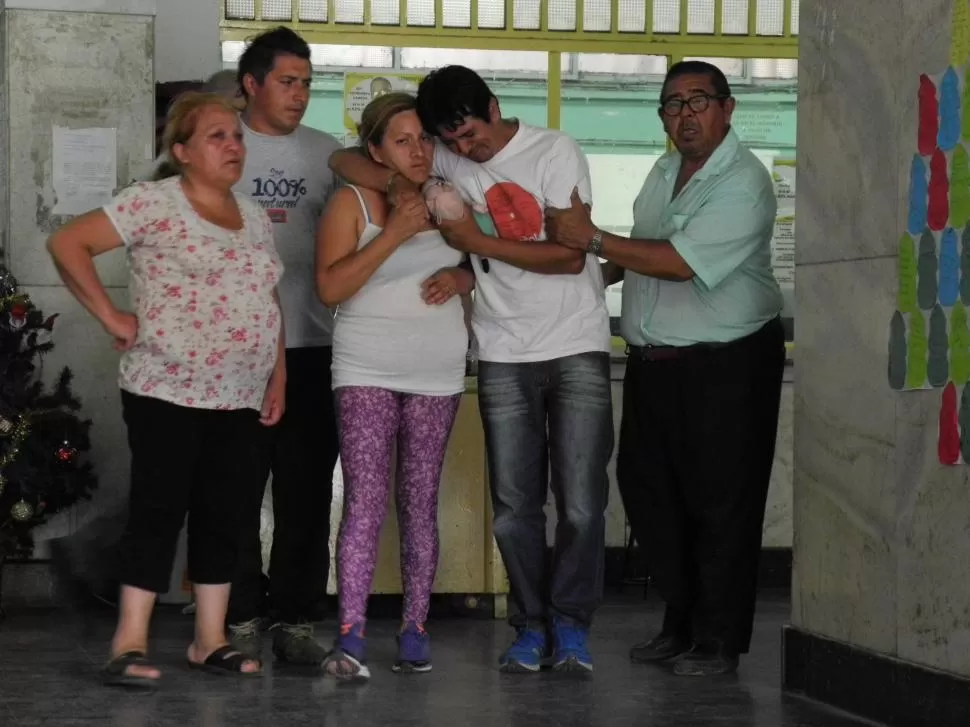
[698,68]
[260,56]
[447,96]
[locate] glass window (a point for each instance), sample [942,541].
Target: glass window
[241,9]
[526,14]
[733,68]
[326,57]
[783,69]
[608,63]
[484,61]
[618,129]
[765,119]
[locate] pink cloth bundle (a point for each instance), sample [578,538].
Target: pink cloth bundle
[443,200]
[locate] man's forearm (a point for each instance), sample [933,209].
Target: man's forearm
[353,166]
[653,258]
[543,257]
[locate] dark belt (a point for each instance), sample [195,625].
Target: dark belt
[669,353]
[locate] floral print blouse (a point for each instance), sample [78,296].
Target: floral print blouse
[208,321]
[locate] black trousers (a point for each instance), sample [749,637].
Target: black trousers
[697,443]
[185,461]
[301,457]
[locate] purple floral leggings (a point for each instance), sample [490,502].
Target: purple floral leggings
[370,419]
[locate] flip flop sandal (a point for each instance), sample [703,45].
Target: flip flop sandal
[345,667]
[227,661]
[115,672]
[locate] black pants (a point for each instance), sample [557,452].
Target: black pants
[301,458]
[697,442]
[539,416]
[185,461]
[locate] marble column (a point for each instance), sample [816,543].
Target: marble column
[78,64]
[881,528]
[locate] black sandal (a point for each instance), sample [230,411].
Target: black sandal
[227,660]
[115,672]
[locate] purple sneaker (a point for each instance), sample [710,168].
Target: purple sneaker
[413,650]
[347,659]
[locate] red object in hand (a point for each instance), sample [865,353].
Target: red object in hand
[948,445]
[938,213]
[929,116]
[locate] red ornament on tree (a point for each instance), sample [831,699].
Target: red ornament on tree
[66,453]
[18,315]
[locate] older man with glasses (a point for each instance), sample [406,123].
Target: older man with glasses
[701,317]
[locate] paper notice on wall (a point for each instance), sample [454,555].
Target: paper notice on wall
[362,88]
[85,170]
[783,239]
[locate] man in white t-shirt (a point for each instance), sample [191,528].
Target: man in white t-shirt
[542,327]
[286,175]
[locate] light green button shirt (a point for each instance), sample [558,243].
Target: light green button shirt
[721,223]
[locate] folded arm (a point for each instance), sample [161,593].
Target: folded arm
[717,238]
[535,256]
[654,258]
[342,269]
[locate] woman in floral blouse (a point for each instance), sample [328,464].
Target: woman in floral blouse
[202,373]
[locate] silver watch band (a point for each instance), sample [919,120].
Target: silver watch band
[596,244]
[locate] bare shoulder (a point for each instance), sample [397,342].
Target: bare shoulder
[344,202]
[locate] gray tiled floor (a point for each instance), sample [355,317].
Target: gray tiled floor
[48,663]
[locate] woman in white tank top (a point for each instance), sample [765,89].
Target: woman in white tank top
[399,348]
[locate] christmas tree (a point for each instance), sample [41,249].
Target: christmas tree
[43,441]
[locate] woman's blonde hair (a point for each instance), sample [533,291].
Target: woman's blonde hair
[183,117]
[378,114]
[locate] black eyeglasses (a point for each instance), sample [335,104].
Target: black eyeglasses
[698,104]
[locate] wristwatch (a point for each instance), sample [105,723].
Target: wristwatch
[595,245]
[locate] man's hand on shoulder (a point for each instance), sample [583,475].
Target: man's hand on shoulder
[571,227]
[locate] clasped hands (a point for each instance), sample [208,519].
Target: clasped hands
[571,227]
[447,282]
[461,234]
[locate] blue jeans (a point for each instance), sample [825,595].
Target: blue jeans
[556,414]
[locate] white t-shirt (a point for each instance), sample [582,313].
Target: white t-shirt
[386,336]
[208,323]
[521,316]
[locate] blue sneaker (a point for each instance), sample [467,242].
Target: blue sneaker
[525,654]
[570,651]
[347,659]
[413,650]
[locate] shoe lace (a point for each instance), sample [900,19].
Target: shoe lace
[245,629]
[298,631]
[346,629]
[531,640]
[413,627]
[570,637]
